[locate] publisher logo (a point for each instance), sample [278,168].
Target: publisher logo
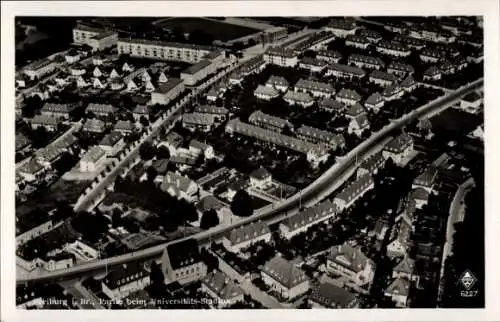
[468,280]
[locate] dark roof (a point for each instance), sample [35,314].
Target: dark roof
[284,272]
[168,85]
[260,173]
[193,69]
[399,143]
[125,274]
[30,220]
[471,97]
[373,162]
[183,253]
[383,75]
[331,296]
[111,139]
[247,232]
[355,188]
[351,258]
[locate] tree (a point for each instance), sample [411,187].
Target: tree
[147,151]
[209,219]
[156,275]
[152,173]
[310,53]
[242,204]
[210,260]
[144,121]
[31,105]
[163,152]
[116,218]
[65,163]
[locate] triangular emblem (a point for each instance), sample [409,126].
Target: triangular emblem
[468,280]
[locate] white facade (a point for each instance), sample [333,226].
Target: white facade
[124,290]
[288,293]
[164,98]
[34,232]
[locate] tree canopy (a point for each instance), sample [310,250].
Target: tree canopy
[209,219]
[242,204]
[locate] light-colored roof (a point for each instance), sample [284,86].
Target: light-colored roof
[177,181]
[277,80]
[310,85]
[331,296]
[57,108]
[259,117]
[355,188]
[93,154]
[100,108]
[298,97]
[399,143]
[248,232]
[94,124]
[309,215]
[266,90]
[400,286]
[348,94]
[406,265]
[198,118]
[45,120]
[355,110]
[349,257]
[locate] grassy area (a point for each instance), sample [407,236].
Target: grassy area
[218,30]
[456,121]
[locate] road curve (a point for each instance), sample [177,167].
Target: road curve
[267,213]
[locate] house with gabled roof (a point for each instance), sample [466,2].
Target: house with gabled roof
[268,121]
[358,124]
[141,111]
[198,122]
[353,191]
[199,148]
[330,56]
[398,291]
[277,82]
[94,125]
[125,127]
[179,186]
[357,41]
[284,277]
[243,236]
[398,148]
[409,84]
[122,281]
[426,179]
[92,159]
[371,165]
[330,296]
[392,92]
[363,61]
[375,102]
[299,98]
[100,109]
[421,197]
[221,288]
[342,27]
[354,111]
[331,105]
[48,122]
[314,65]
[382,78]
[351,263]
[266,92]
[348,97]
[405,269]
[393,48]
[344,71]
[112,143]
[317,89]
[318,136]
[99,83]
[399,242]
[260,178]
[400,69]
[432,73]
[372,35]
[57,110]
[182,262]
[302,220]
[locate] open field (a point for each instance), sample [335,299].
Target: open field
[218,30]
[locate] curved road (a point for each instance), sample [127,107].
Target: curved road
[291,204]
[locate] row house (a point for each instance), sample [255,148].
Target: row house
[363,61]
[124,127]
[92,159]
[107,39]
[353,191]
[266,93]
[179,186]
[198,122]
[358,125]
[222,289]
[475,40]
[32,225]
[269,122]
[105,110]
[198,148]
[459,62]
[372,35]
[341,27]
[432,74]
[32,171]
[163,50]
[314,153]
[398,148]
[357,41]
[278,82]
[50,123]
[405,269]
[476,56]
[345,71]
[317,89]
[408,84]
[220,114]
[331,105]
[285,278]
[57,110]
[122,281]
[375,102]
[330,296]
[313,65]
[167,92]
[315,41]
[382,78]
[197,72]
[302,220]
[94,126]
[253,65]
[300,98]
[371,165]
[392,92]
[411,42]
[112,143]
[330,56]
[354,111]
[236,78]
[447,68]
[351,263]
[244,236]
[399,241]
[314,135]
[393,48]
[400,69]
[395,26]
[40,68]
[430,55]
[348,97]
[141,111]
[182,262]
[281,56]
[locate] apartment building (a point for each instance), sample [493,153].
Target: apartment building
[354,191]
[243,236]
[306,218]
[281,57]
[167,92]
[181,262]
[285,278]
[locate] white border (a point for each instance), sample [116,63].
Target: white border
[488,8]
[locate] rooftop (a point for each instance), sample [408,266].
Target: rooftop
[170,84]
[193,69]
[315,86]
[260,117]
[298,97]
[247,232]
[331,296]
[355,188]
[222,285]
[349,257]
[111,139]
[183,253]
[399,286]
[284,272]
[127,273]
[266,90]
[93,154]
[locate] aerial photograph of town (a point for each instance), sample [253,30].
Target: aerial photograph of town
[249,162]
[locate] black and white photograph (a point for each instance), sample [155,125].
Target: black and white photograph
[248,162]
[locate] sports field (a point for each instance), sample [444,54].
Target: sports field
[217,29]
